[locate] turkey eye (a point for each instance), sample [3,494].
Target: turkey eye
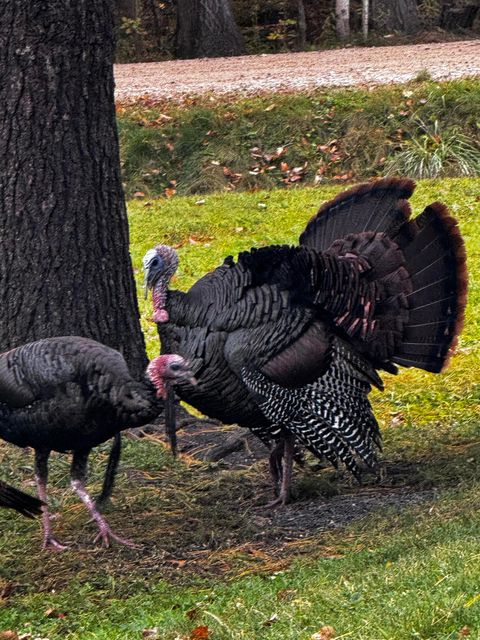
[154,262]
[175,367]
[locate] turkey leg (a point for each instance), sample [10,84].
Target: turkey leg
[41,476]
[109,479]
[286,465]
[78,475]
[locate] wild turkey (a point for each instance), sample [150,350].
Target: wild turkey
[70,394]
[12,498]
[287,340]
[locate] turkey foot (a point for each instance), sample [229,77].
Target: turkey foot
[107,535]
[78,474]
[49,542]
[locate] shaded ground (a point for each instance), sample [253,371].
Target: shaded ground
[194,519]
[297,71]
[324,499]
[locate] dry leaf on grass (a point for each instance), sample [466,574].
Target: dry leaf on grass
[200,633]
[325,633]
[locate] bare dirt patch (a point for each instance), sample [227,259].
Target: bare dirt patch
[289,72]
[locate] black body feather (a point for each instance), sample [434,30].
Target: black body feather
[69,393]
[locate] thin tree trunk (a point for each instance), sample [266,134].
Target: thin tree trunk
[365,18]
[301,26]
[65,268]
[206,28]
[342,19]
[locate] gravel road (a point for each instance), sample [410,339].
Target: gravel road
[297,71]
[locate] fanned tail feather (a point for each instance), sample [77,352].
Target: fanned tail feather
[418,265]
[436,262]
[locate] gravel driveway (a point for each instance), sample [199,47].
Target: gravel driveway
[297,71]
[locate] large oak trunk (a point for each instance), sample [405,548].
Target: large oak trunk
[206,28]
[65,268]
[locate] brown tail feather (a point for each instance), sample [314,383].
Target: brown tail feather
[418,265]
[374,206]
[436,262]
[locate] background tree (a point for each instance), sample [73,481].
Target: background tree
[342,19]
[207,28]
[395,15]
[65,268]
[301,26]
[365,18]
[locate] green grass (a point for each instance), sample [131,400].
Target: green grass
[215,143]
[207,560]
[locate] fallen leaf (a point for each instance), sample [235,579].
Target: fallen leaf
[325,633]
[138,194]
[8,635]
[464,631]
[270,107]
[199,202]
[268,623]
[170,192]
[200,633]
[150,633]
[191,614]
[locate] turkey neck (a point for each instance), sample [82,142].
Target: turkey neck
[160,296]
[165,302]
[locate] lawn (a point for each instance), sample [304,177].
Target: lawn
[213,564]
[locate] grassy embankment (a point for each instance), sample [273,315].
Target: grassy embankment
[424,129]
[207,561]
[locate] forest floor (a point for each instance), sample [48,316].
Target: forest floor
[287,72]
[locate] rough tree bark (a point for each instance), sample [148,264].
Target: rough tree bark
[395,15]
[65,268]
[207,29]
[342,19]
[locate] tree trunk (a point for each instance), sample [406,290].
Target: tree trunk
[206,28]
[65,268]
[365,18]
[301,26]
[342,19]
[395,15]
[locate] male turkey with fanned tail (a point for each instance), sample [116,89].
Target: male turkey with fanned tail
[69,394]
[287,341]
